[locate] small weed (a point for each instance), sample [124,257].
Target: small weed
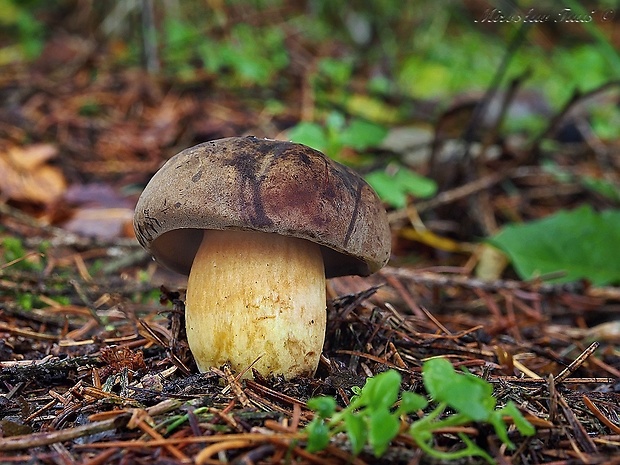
[394,184]
[246,56]
[374,416]
[337,134]
[14,253]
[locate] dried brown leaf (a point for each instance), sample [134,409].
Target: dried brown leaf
[25,175]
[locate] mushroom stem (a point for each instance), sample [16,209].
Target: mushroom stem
[252,294]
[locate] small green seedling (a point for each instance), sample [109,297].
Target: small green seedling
[336,134]
[374,416]
[395,184]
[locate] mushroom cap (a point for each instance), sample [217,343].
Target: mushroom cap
[246,183]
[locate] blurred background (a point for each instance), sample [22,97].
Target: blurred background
[420,96]
[491,131]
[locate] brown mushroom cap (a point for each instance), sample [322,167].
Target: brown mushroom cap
[246,183]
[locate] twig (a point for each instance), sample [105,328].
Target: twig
[258,437]
[449,196]
[451,279]
[171,355]
[557,119]
[141,419]
[28,333]
[149,37]
[86,300]
[598,414]
[46,438]
[205,454]
[50,437]
[580,434]
[580,381]
[566,372]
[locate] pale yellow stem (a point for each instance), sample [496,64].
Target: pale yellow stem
[254,294]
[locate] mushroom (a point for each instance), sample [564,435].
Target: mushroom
[257,225]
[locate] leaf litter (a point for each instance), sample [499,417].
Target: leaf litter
[94,366]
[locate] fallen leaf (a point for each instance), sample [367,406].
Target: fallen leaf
[97,210]
[31,157]
[25,175]
[104,223]
[491,263]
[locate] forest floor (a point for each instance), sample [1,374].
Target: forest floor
[94,367]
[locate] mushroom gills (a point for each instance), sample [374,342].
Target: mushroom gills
[252,294]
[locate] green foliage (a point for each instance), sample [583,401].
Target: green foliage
[13,249]
[428,71]
[581,243]
[374,416]
[605,121]
[604,45]
[582,67]
[394,185]
[90,108]
[96,266]
[602,187]
[337,72]
[310,134]
[471,397]
[17,17]
[449,387]
[246,56]
[368,419]
[25,301]
[336,135]
[593,69]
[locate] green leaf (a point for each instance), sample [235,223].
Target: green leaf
[310,134]
[324,406]
[12,248]
[381,391]
[335,122]
[411,402]
[496,420]
[524,426]
[469,395]
[386,189]
[602,187]
[414,184]
[383,428]
[337,70]
[421,432]
[362,135]
[437,374]
[393,188]
[9,12]
[318,435]
[471,450]
[581,243]
[357,432]
[25,301]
